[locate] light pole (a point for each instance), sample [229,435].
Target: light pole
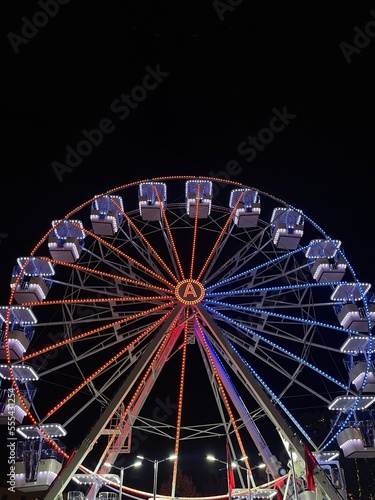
[211,458]
[249,476]
[122,469]
[156,468]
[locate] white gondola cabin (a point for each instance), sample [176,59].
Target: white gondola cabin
[286,228]
[106,215]
[350,314]
[247,205]
[198,194]
[38,462]
[30,279]
[151,198]
[326,264]
[66,240]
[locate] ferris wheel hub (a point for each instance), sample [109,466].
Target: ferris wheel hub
[189,291]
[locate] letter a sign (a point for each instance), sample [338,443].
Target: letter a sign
[189,292]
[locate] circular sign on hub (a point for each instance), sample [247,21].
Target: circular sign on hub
[189,292]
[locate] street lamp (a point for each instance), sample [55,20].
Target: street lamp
[211,458]
[156,468]
[249,476]
[122,469]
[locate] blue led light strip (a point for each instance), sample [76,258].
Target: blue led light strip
[281,349]
[279,402]
[365,302]
[278,288]
[265,264]
[274,396]
[281,316]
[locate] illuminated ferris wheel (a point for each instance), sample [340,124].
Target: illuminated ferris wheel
[175,272]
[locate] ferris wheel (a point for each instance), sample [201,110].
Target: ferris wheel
[178,272]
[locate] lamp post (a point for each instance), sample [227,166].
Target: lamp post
[122,469]
[249,476]
[211,458]
[156,469]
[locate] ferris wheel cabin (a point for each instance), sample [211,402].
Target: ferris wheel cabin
[106,215]
[20,332]
[151,199]
[30,279]
[286,228]
[38,462]
[66,240]
[198,194]
[247,205]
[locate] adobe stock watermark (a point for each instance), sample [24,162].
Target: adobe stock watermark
[255,144]
[122,108]
[361,40]
[11,440]
[30,28]
[223,7]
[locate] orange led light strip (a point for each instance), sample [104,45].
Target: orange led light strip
[170,237]
[119,252]
[195,231]
[220,236]
[90,301]
[164,178]
[118,188]
[106,275]
[151,366]
[144,239]
[92,332]
[98,371]
[180,399]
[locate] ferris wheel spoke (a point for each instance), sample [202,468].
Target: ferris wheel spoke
[126,257]
[267,356]
[279,402]
[194,242]
[180,404]
[200,227]
[218,240]
[137,398]
[172,243]
[271,262]
[151,251]
[139,332]
[279,319]
[271,314]
[279,348]
[121,278]
[143,247]
[99,371]
[245,254]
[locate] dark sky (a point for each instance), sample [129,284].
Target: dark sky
[223,72]
[204,76]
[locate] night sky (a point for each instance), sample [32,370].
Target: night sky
[189,88]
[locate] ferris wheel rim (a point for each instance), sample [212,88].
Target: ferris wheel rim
[174,296]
